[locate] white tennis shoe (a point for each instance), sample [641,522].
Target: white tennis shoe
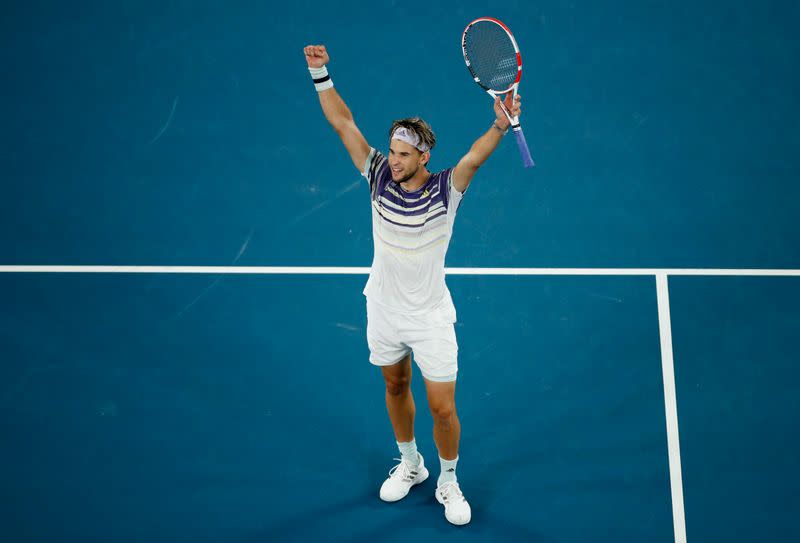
[456,508]
[401,478]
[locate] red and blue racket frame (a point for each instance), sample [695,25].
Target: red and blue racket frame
[513,88]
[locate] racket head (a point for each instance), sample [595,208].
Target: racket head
[492,55]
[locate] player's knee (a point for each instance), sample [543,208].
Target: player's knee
[398,384]
[443,412]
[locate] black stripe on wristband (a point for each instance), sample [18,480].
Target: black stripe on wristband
[322,79]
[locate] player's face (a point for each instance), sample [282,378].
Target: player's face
[404,160]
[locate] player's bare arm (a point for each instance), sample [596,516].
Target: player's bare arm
[486,144]
[336,111]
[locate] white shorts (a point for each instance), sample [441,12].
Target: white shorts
[431,337]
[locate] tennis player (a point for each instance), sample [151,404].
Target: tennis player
[409,308]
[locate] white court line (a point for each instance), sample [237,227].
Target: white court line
[245,270]
[671,409]
[337,270]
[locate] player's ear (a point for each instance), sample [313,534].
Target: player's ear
[425,158]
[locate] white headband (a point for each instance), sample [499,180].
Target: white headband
[410,137]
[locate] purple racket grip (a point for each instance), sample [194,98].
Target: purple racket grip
[523,147]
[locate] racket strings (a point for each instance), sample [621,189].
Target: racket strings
[492,55]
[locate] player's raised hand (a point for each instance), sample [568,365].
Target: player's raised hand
[316,56]
[512,106]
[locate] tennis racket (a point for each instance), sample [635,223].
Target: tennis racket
[493,59]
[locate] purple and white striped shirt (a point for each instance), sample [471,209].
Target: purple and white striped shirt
[411,233]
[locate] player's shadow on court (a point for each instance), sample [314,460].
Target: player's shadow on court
[385,522]
[419,511]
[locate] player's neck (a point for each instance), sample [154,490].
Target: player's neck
[419,179]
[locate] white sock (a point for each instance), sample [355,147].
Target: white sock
[448,474]
[408,451]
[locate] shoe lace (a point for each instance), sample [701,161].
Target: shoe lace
[402,471]
[451,492]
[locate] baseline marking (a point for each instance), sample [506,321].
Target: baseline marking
[338,270]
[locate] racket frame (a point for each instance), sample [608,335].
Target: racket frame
[512,88]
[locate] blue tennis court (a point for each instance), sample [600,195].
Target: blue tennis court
[185,243]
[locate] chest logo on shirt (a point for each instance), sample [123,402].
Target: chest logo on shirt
[425,193]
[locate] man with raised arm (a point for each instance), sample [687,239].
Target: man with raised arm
[409,308]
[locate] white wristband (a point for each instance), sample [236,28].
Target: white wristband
[322,81]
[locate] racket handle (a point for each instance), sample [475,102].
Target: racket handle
[523,147]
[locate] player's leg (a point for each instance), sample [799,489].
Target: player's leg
[436,353]
[446,434]
[400,403]
[394,359]
[446,426]
[399,400]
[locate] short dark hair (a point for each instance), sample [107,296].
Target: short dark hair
[419,127]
